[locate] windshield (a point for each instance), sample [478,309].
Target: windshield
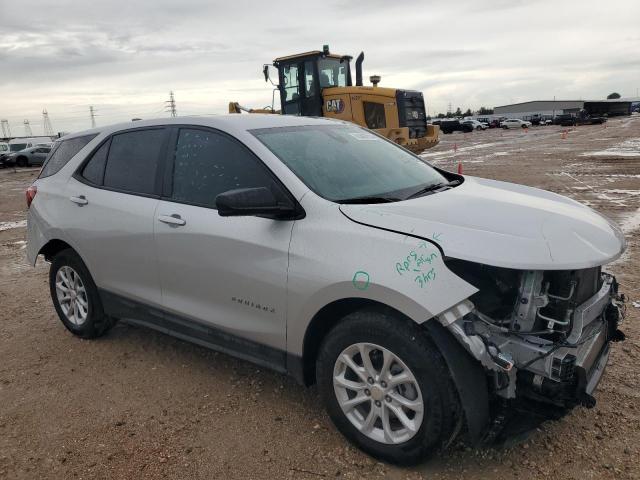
[3,147]
[333,72]
[16,147]
[342,162]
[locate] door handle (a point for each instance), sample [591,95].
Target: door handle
[80,200]
[174,219]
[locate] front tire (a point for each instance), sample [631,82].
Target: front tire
[75,296]
[22,162]
[386,387]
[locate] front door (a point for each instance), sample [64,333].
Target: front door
[224,279]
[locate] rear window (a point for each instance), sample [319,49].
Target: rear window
[133,161]
[94,170]
[62,153]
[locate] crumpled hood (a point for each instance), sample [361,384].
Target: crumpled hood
[502,224]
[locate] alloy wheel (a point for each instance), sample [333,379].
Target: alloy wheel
[72,295]
[378,393]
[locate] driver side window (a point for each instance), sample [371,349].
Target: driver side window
[208,163]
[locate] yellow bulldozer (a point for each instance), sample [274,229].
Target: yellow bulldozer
[318,84]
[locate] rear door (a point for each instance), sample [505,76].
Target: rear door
[114,197]
[224,279]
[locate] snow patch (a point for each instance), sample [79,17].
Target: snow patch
[461,149]
[631,223]
[628,148]
[10,225]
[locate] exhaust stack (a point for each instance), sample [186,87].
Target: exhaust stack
[359,61]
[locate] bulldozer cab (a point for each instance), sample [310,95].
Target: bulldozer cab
[302,78]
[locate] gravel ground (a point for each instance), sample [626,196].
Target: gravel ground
[138,404]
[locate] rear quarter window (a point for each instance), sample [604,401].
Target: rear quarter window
[62,153]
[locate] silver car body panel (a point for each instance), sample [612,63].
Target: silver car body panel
[227,272]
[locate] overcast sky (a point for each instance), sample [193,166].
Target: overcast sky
[124,56]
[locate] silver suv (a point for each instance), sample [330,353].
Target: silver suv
[423,303]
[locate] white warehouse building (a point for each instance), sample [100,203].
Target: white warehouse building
[551,108]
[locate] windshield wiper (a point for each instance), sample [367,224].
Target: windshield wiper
[356,200]
[432,188]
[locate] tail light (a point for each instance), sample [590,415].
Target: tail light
[31,194]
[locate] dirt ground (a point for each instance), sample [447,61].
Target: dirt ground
[139,404]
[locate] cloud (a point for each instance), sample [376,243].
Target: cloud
[123,56]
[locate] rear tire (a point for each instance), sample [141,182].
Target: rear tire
[75,296]
[429,388]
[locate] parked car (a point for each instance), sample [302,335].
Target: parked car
[540,120]
[4,151]
[414,311]
[475,125]
[27,157]
[565,120]
[515,123]
[450,126]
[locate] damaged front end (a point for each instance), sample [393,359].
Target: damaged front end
[542,336]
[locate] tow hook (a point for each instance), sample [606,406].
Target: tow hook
[505,362]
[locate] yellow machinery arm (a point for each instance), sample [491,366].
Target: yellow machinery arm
[235,107]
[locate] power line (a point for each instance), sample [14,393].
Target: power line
[171,104]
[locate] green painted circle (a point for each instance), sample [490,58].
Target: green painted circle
[360,280]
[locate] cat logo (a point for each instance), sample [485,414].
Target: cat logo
[335,106]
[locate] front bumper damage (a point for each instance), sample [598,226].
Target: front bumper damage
[560,366]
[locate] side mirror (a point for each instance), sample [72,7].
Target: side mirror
[252,202]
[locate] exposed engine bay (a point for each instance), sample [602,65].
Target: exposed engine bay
[540,335]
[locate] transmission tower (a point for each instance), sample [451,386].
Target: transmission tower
[27,129]
[92,113]
[6,129]
[46,124]
[171,105]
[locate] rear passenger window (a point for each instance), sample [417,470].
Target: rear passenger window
[208,163]
[62,153]
[132,161]
[94,170]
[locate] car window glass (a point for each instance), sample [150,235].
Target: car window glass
[341,161]
[94,170]
[310,84]
[209,163]
[133,160]
[64,152]
[291,87]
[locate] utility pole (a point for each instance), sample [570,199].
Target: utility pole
[6,129]
[27,129]
[171,105]
[46,124]
[92,114]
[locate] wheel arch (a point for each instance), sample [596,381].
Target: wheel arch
[469,377]
[53,247]
[321,324]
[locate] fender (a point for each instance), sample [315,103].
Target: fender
[401,271]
